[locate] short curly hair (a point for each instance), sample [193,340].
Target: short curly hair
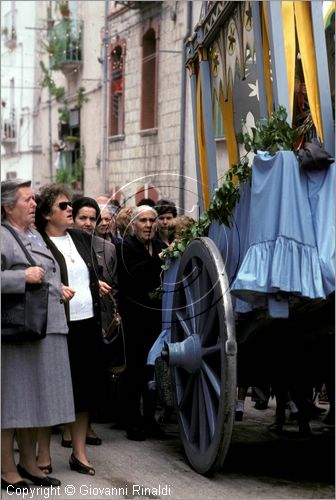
[166,206]
[179,226]
[47,196]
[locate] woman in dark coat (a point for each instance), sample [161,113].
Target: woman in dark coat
[85,212]
[72,250]
[139,269]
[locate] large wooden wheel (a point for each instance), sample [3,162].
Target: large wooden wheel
[202,356]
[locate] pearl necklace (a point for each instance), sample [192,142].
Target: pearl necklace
[71,257]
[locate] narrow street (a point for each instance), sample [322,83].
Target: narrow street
[259,465]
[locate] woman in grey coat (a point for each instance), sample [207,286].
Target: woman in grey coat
[35,375]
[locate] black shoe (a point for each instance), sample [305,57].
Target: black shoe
[93,440]
[14,487]
[239,416]
[136,434]
[39,481]
[78,466]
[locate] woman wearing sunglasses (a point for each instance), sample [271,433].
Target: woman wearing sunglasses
[79,273]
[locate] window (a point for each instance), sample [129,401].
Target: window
[149,80]
[116,125]
[9,26]
[11,175]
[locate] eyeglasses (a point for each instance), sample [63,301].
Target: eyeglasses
[63,205]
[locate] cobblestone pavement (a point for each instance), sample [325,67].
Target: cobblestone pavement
[259,465]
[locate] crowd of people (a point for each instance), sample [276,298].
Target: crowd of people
[87,250]
[93,254]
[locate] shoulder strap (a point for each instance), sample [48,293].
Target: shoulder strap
[25,251]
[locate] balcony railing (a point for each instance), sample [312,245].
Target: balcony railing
[65,45]
[8,131]
[135,5]
[8,30]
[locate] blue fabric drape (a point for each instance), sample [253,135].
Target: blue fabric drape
[291,230]
[283,233]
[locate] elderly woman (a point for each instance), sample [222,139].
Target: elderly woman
[35,375]
[105,223]
[139,269]
[79,267]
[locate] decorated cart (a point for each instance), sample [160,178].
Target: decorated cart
[263,248]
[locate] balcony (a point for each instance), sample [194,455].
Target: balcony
[8,132]
[9,37]
[135,5]
[65,46]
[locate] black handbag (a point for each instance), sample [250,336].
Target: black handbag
[113,337]
[24,315]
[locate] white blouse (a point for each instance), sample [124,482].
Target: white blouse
[81,305]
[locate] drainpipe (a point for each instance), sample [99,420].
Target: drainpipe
[183,110]
[103,173]
[49,110]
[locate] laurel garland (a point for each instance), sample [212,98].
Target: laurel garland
[271,135]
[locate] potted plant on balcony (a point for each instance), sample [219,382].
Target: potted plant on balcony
[78,171]
[64,8]
[70,142]
[64,175]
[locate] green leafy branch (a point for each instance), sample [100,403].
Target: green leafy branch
[272,135]
[81,97]
[48,82]
[221,207]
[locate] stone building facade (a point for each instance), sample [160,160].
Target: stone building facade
[147,54]
[131,129]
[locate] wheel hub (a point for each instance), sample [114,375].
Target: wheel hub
[186,354]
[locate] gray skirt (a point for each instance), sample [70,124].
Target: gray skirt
[36,387]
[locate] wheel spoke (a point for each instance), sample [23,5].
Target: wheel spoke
[211,376]
[193,431]
[205,285]
[211,411]
[207,351]
[185,324]
[195,286]
[202,420]
[187,395]
[208,323]
[190,306]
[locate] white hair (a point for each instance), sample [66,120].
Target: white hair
[140,209]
